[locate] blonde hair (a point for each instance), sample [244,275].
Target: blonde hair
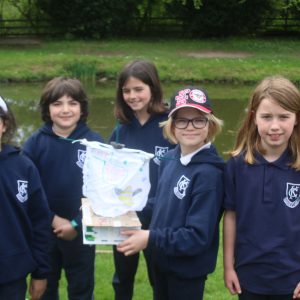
[284,93]
[214,128]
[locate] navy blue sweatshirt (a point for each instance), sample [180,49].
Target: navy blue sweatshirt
[184,229]
[24,219]
[147,137]
[60,162]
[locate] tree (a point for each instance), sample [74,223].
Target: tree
[28,9]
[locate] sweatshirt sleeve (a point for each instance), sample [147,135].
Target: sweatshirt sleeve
[39,215]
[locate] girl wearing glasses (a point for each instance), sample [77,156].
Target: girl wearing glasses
[184,231]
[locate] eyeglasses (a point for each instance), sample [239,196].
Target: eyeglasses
[182,123]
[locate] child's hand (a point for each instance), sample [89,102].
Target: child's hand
[296,294]
[65,231]
[232,282]
[59,221]
[37,288]
[137,240]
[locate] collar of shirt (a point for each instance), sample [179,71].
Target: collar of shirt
[187,158]
[283,162]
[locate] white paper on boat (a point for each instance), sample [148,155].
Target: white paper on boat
[115,180]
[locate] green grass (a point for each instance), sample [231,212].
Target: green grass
[177,60]
[104,270]
[103,276]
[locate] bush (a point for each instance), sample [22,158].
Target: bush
[92,19]
[221,18]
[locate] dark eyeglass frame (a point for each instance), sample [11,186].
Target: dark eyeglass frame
[186,122]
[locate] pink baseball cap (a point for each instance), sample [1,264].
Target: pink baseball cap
[190,97]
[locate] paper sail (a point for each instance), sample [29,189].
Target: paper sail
[115,180]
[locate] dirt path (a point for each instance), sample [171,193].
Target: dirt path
[19,42]
[217,54]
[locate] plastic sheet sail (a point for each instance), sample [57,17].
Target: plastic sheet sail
[115,180]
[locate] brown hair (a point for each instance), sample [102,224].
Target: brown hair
[147,73]
[59,87]
[285,94]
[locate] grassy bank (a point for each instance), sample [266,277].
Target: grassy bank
[230,61]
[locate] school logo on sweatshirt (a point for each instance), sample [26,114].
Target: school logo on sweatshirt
[292,198]
[180,188]
[22,195]
[159,153]
[81,154]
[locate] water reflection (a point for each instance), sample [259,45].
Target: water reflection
[229,103]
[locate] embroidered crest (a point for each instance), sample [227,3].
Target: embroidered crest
[180,188]
[159,153]
[22,195]
[198,96]
[81,154]
[292,198]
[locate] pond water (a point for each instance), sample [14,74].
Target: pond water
[228,101]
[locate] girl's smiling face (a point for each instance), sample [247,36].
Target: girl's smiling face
[137,95]
[191,138]
[275,126]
